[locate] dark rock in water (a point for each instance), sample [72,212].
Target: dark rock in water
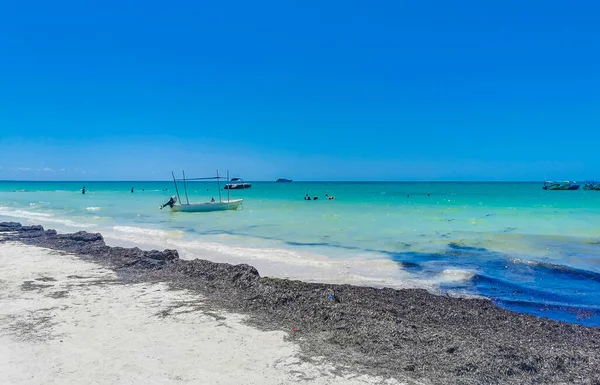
[406,334]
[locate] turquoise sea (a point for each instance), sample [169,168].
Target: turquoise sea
[527,249]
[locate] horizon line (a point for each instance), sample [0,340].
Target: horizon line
[273,181]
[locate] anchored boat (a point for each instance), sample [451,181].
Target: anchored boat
[283,180]
[212,205]
[591,185]
[566,185]
[239,185]
[207,206]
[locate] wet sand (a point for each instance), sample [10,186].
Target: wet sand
[333,332]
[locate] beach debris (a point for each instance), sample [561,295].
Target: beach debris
[332,296]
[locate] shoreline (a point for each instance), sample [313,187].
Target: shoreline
[63,319]
[406,333]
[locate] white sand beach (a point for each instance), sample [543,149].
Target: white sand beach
[64,320]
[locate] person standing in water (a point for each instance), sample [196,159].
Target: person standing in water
[83,190]
[132,189]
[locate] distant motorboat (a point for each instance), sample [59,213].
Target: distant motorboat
[566,185]
[591,185]
[237,186]
[282,180]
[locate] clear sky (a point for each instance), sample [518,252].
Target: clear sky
[310,90]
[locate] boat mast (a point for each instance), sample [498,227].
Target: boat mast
[226,186]
[185,188]
[219,185]
[176,189]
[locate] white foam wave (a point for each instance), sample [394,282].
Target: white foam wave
[23,213]
[275,261]
[272,261]
[457,274]
[453,275]
[293,264]
[255,253]
[40,218]
[527,262]
[93,208]
[142,237]
[142,231]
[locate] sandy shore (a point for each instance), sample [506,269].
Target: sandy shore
[64,320]
[150,311]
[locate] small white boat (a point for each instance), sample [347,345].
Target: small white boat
[207,206]
[212,205]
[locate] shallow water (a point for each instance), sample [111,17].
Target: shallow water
[527,249]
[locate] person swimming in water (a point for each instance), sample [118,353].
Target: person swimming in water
[212,199]
[306,197]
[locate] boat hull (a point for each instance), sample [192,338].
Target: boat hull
[207,206]
[237,186]
[563,188]
[560,186]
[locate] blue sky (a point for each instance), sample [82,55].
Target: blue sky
[342,90]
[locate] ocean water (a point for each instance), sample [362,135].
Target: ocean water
[527,249]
